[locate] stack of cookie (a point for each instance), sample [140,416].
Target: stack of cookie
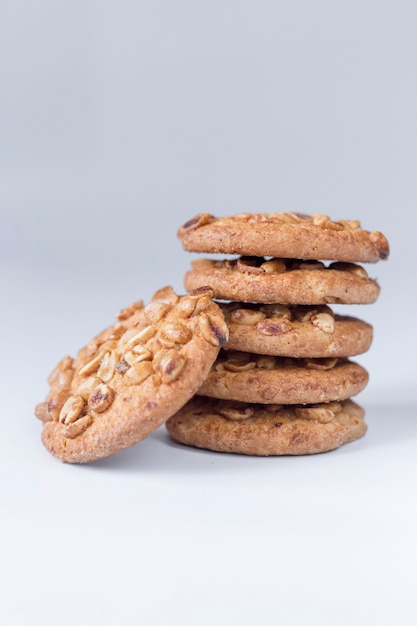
[283,382]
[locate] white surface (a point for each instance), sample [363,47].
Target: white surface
[163,534]
[120,121]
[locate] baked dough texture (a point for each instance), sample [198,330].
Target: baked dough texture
[297,331]
[287,235]
[266,430]
[132,377]
[275,380]
[298,284]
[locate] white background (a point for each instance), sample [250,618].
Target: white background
[118,122]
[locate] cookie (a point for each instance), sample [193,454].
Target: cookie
[286,235]
[132,377]
[254,279]
[294,331]
[266,430]
[267,379]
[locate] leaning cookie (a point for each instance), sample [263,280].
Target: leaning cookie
[294,331]
[253,279]
[132,377]
[266,430]
[276,380]
[287,235]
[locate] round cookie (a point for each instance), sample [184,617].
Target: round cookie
[132,377]
[287,235]
[294,331]
[267,379]
[268,430]
[254,279]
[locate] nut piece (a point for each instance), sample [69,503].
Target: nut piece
[71,410]
[101,398]
[214,329]
[323,321]
[246,317]
[86,388]
[237,362]
[201,219]
[319,364]
[133,336]
[138,373]
[137,354]
[108,366]
[266,362]
[275,265]
[91,366]
[236,412]
[322,413]
[274,326]
[177,333]
[170,366]
[276,310]
[56,402]
[129,310]
[76,428]
[42,413]
[155,311]
[64,365]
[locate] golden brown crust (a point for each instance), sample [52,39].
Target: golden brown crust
[132,376]
[294,331]
[291,283]
[246,377]
[270,430]
[288,235]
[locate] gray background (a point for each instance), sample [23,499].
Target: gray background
[121,121]
[118,122]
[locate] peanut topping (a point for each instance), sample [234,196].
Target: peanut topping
[138,373]
[74,429]
[138,354]
[274,326]
[71,410]
[237,362]
[64,365]
[101,398]
[214,329]
[319,364]
[177,333]
[322,413]
[275,265]
[246,317]
[91,366]
[108,366]
[155,311]
[170,366]
[199,220]
[323,321]
[236,412]
[129,310]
